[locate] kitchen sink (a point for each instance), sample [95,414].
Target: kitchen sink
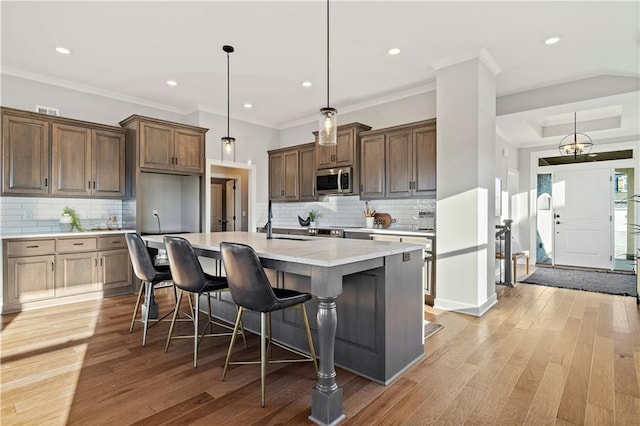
[292,238]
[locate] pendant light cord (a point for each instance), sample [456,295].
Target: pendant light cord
[328,54]
[228,95]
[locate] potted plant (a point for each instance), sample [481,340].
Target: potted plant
[313,216]
[70,220]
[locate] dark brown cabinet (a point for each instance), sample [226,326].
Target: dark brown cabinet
[167,147]
[61,157]
[345,152]
[307,172]
[25,153]
[407,165]
[372,167]
[283,175]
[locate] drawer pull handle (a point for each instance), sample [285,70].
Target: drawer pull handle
[33,246]
[115,242]
[78,244]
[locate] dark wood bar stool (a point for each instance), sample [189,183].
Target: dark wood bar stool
[189,277]
[250,289]
[152,277]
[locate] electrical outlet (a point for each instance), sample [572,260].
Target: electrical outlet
[155,212]
[27,215]
[422,214]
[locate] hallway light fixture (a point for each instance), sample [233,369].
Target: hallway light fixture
[575,143]
[228,144]
[328,123]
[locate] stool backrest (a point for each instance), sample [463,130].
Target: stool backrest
[140,258]
[248,283]
[185,268]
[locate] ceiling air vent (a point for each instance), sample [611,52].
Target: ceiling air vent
[47,110]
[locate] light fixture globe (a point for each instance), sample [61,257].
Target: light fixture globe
[227,143]
[328,126]
[575,143]
[328,122]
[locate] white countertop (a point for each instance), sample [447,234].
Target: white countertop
[9,235]
[317,251]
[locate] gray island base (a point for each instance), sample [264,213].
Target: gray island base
[366,314]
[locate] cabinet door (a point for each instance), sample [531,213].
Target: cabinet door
[25,145]
[29,278]
[424,160]
[76,273]
[399,173]
[114,269]
[345,148]
[276,176]
[290,182]
[189,151]
[71,160]
[307,174]
[325,155]
[372,167]
[108,164]
[156,146]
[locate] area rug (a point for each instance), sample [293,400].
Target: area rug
[595,281]
[431,328]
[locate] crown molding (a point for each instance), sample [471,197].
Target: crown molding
[16,72]
[483,55]
[208,109]
[431,87]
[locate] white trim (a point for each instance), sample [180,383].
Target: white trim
[15,72]
[431,87]
[251,196]
[464,308]
[210,110]
[483,55]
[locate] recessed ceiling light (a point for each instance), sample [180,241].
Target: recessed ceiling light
[172,82]
[393,51]
[552,40]
[63,50]
[306,83]
[248,105]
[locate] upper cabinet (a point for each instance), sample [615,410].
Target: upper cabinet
[25,153]
[57,156]
[408,166]
[163,146]
[292,173]
[345,152]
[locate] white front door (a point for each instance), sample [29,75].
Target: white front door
[231,205]
[582,218]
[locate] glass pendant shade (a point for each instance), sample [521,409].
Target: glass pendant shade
[228,149]
[575,143]
[328,126]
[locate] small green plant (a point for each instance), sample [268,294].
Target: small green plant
[75,219]
[313,215]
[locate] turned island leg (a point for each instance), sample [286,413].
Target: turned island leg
[326,396]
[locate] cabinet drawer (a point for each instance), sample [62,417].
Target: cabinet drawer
[30,248]
[77,244]
[112,242]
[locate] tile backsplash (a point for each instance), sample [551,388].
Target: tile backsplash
[348,211]
[26,214]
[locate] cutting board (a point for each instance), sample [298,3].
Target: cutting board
[386,219]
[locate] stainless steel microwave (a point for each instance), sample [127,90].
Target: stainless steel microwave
[334,181]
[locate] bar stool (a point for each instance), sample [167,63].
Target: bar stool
[250,289]
[152,278]
[189,277]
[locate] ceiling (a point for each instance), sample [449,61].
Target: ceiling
[131,49]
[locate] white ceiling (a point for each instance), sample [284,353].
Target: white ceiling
[132,48]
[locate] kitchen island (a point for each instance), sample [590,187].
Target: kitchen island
[369,313]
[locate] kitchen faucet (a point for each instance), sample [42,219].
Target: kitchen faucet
[269,229]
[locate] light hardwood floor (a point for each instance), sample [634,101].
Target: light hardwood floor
[540,356]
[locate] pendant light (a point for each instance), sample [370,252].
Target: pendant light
[575,143]
[228,144]
[328,123]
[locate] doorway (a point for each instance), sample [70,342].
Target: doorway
[623,213]
[225,199]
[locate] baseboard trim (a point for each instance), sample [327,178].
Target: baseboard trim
[464,308]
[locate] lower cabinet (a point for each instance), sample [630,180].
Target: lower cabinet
[42,271]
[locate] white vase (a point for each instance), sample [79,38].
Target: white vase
[65,223]
[369,222]
[312,224]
